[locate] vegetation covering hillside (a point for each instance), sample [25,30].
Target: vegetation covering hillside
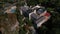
[52,26]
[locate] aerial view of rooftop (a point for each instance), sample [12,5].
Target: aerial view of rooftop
[29,16]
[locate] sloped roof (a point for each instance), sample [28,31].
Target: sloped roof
[24,8]
[35,16]
[40,19]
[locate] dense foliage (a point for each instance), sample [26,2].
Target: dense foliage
[52,26]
